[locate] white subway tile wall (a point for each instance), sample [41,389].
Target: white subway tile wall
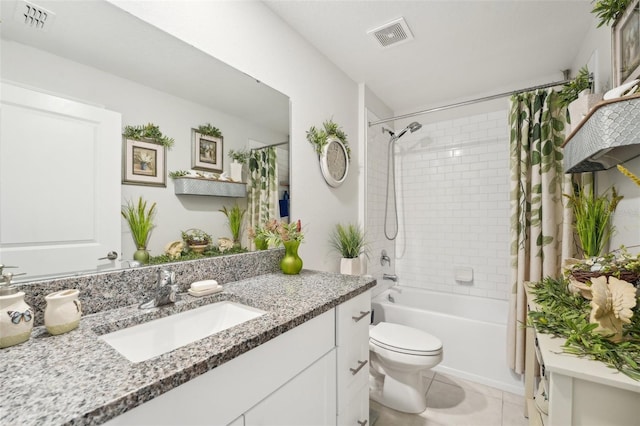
[453,204]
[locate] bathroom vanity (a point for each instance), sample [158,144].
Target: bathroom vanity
[580,391]
[305,361]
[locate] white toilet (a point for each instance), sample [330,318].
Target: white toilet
[398,355]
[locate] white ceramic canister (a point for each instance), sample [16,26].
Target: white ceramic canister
[63,311]
[16,319]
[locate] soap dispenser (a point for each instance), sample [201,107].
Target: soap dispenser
[16,317]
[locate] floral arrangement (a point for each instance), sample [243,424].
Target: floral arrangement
[276,233]
[209,130]
[241,155]
[588,325]
[318,137]
[148,131]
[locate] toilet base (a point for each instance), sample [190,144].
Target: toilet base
[405,392]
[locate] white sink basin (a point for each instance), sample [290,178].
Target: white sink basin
[153,338]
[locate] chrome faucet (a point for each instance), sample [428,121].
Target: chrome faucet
[390,277]
[384,258]
[165,292]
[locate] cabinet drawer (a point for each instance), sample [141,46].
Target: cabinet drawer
[356,412]
[353,318]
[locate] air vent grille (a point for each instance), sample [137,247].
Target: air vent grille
[392,33]
[34,16]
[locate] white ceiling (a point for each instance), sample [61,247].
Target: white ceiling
[462,49]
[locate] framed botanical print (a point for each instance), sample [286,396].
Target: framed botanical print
[144,163]
[206,152]
[626,45]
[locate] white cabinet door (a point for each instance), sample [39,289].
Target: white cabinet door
[309,399]
[59,183]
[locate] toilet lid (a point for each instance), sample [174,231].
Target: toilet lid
[400,338]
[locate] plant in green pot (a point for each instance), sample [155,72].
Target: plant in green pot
[350,241]
[140,220]
[289,235]
[234,216]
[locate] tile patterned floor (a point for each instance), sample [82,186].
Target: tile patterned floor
[456,402]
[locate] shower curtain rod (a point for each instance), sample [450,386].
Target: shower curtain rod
[269,146]
[473,101]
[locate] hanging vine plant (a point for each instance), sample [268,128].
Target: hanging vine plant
[148,131]
[318,137]
[209,130]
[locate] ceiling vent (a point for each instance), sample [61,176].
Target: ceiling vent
[392,33]
[33,16]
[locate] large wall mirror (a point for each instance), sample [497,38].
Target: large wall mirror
[102,60]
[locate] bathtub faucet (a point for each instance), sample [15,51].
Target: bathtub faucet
[390,277]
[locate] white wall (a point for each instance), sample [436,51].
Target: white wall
[251,38]
[140,104]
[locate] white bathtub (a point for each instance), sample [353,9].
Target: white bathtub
[472,329]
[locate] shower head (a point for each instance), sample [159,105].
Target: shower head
[412,127]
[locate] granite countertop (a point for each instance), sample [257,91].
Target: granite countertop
[76,378]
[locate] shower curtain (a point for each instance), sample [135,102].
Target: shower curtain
[537,123]
[263,186]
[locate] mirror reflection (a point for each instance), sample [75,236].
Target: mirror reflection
[69,91]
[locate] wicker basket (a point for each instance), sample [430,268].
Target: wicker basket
[628,276]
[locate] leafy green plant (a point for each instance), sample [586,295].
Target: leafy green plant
[140,220]
[275,232]
[318,137]
[241,155]
[609,10]
[572,89]
[564,314]
[148,131]
[592,216]
[234,217]
[209,130]
[178,174]
[348,240]
[196,236]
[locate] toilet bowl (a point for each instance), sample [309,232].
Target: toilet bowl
[398,356]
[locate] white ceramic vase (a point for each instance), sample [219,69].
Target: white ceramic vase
[63,311]
[16,320]
[235,170]
[355,266]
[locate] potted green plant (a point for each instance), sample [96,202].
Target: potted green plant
[350,241]
[234,217]
[140,220]
[577,96]
[239,159]
[259,237]
[592,219]
[196,239]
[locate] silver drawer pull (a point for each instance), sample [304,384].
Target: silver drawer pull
[354,371]
[362,422]
[362,315]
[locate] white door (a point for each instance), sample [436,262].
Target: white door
[59,183]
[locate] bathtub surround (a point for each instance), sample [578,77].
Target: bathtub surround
[452,179]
